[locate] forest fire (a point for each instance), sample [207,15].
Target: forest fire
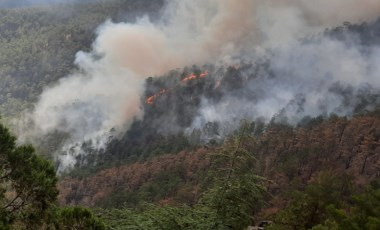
[150,100]
[194,76]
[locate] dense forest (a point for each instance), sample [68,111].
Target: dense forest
[172,168]
[303,183]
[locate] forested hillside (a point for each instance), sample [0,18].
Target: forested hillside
[173,104]
[191,114]
[300,162]
[334,150]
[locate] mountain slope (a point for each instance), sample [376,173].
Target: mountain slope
[286,156]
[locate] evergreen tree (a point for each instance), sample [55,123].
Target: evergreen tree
[28,183]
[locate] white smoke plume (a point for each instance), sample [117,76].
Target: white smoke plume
[106,92]
[310,79]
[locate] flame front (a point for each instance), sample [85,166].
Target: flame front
[150,100]
[193,76]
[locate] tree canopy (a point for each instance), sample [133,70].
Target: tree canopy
[28,192]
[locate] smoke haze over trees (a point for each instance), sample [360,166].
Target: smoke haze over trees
[219,113]
[108,88]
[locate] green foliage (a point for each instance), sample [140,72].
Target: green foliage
[234,202]
[310,207]
[363,213]
[77,218]
[229,203]
[163,185]
[28,183]
[28,192]
[163,218]
[236,192]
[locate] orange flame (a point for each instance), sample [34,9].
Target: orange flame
[204,74]
[193,76]
[150,100]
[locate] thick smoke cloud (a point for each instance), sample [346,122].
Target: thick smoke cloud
[106,92]
[304,79]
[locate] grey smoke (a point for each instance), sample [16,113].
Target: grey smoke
[310,79]
[106,92]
